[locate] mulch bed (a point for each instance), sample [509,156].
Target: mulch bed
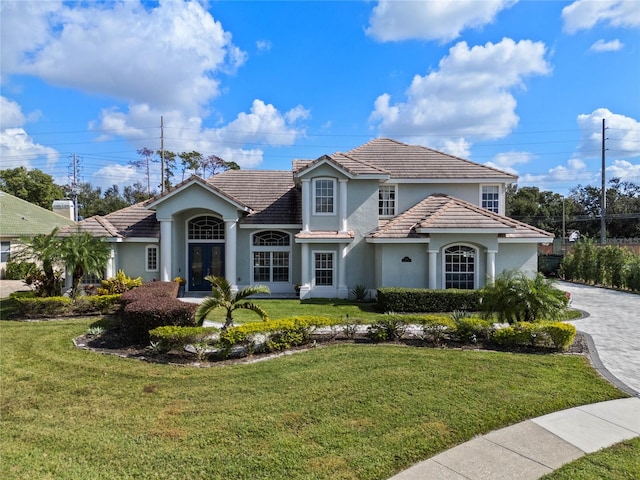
[113,343]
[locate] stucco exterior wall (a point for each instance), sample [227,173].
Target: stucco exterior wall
[408,274]
[517,256]
[131,257]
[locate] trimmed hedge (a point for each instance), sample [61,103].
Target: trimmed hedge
[172,337]
[415,300]
[46,307]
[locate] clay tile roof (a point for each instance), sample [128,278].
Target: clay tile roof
[352,166]
[133,221]
[442,212]
[326,235]
[271,194]
[414,161]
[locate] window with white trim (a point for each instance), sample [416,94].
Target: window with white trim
[491,198]
[5,251]
[271,254]
[324,195]
[387,200]
[323,268]
[460,267]
[206,228]
[151,255]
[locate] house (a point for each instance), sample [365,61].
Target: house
[19,218]
[383,214]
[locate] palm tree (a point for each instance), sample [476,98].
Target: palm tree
[46,250]
[223,296]
[83,253]
[514,297]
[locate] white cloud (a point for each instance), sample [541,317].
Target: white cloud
[393,20]
[625,171]
[17,149]
[468,96]
[507,160]
[239,141]
[167,56]
[116,174]
[561,177]
[263,45]
[10,114]
[610,46]
[622,134]
[585,14]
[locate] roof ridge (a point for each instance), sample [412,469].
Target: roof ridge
[108,226]
[362,162]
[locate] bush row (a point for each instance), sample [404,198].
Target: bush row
[152,305]
[612,266]
[470,330]
[412,300]
[47,307]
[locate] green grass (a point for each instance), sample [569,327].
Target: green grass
[339,412]
[619,462]
[333,308]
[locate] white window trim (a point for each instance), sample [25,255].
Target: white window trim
[146,258]
[476,273]
[335,197]
[333,270]
[7,250]
[254,248]
[500,197]
[395,199]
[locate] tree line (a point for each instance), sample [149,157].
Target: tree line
[39,188]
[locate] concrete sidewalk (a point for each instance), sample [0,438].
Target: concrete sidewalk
[533,448]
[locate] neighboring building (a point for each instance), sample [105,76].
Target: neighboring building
[19,218]
[383,214]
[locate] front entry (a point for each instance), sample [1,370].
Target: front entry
[204,259]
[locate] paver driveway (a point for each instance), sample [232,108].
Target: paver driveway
[614,326]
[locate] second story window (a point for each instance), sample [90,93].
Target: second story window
[387,200]
[491,198]
[324,196]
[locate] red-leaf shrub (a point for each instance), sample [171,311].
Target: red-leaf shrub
[154,305]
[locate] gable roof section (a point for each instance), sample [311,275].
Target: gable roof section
[194,179]
[444,214]
[350,167]
[21,218]
[270,194]
[135,221]
[403,161]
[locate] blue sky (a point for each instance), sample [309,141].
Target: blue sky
[520,85]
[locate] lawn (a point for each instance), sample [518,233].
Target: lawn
[619,462]
[350,411]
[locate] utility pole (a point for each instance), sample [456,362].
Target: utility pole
[74,187]
[161,154]
[603,196]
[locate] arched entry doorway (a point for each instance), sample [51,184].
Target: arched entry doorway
[205,251]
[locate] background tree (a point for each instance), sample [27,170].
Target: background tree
[83,253]
[34,186]
[144,164]
[542,209]
[223,296]
[135,193]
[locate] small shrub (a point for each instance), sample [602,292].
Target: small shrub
[359,293]
[18,270]
[560,334]
[119,284]
[436,328]
[170,337]
[519,334]
[472,330]
[387,329]
[95,330]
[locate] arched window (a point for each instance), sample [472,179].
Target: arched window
[206,228]
[460,267]
[271,257]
